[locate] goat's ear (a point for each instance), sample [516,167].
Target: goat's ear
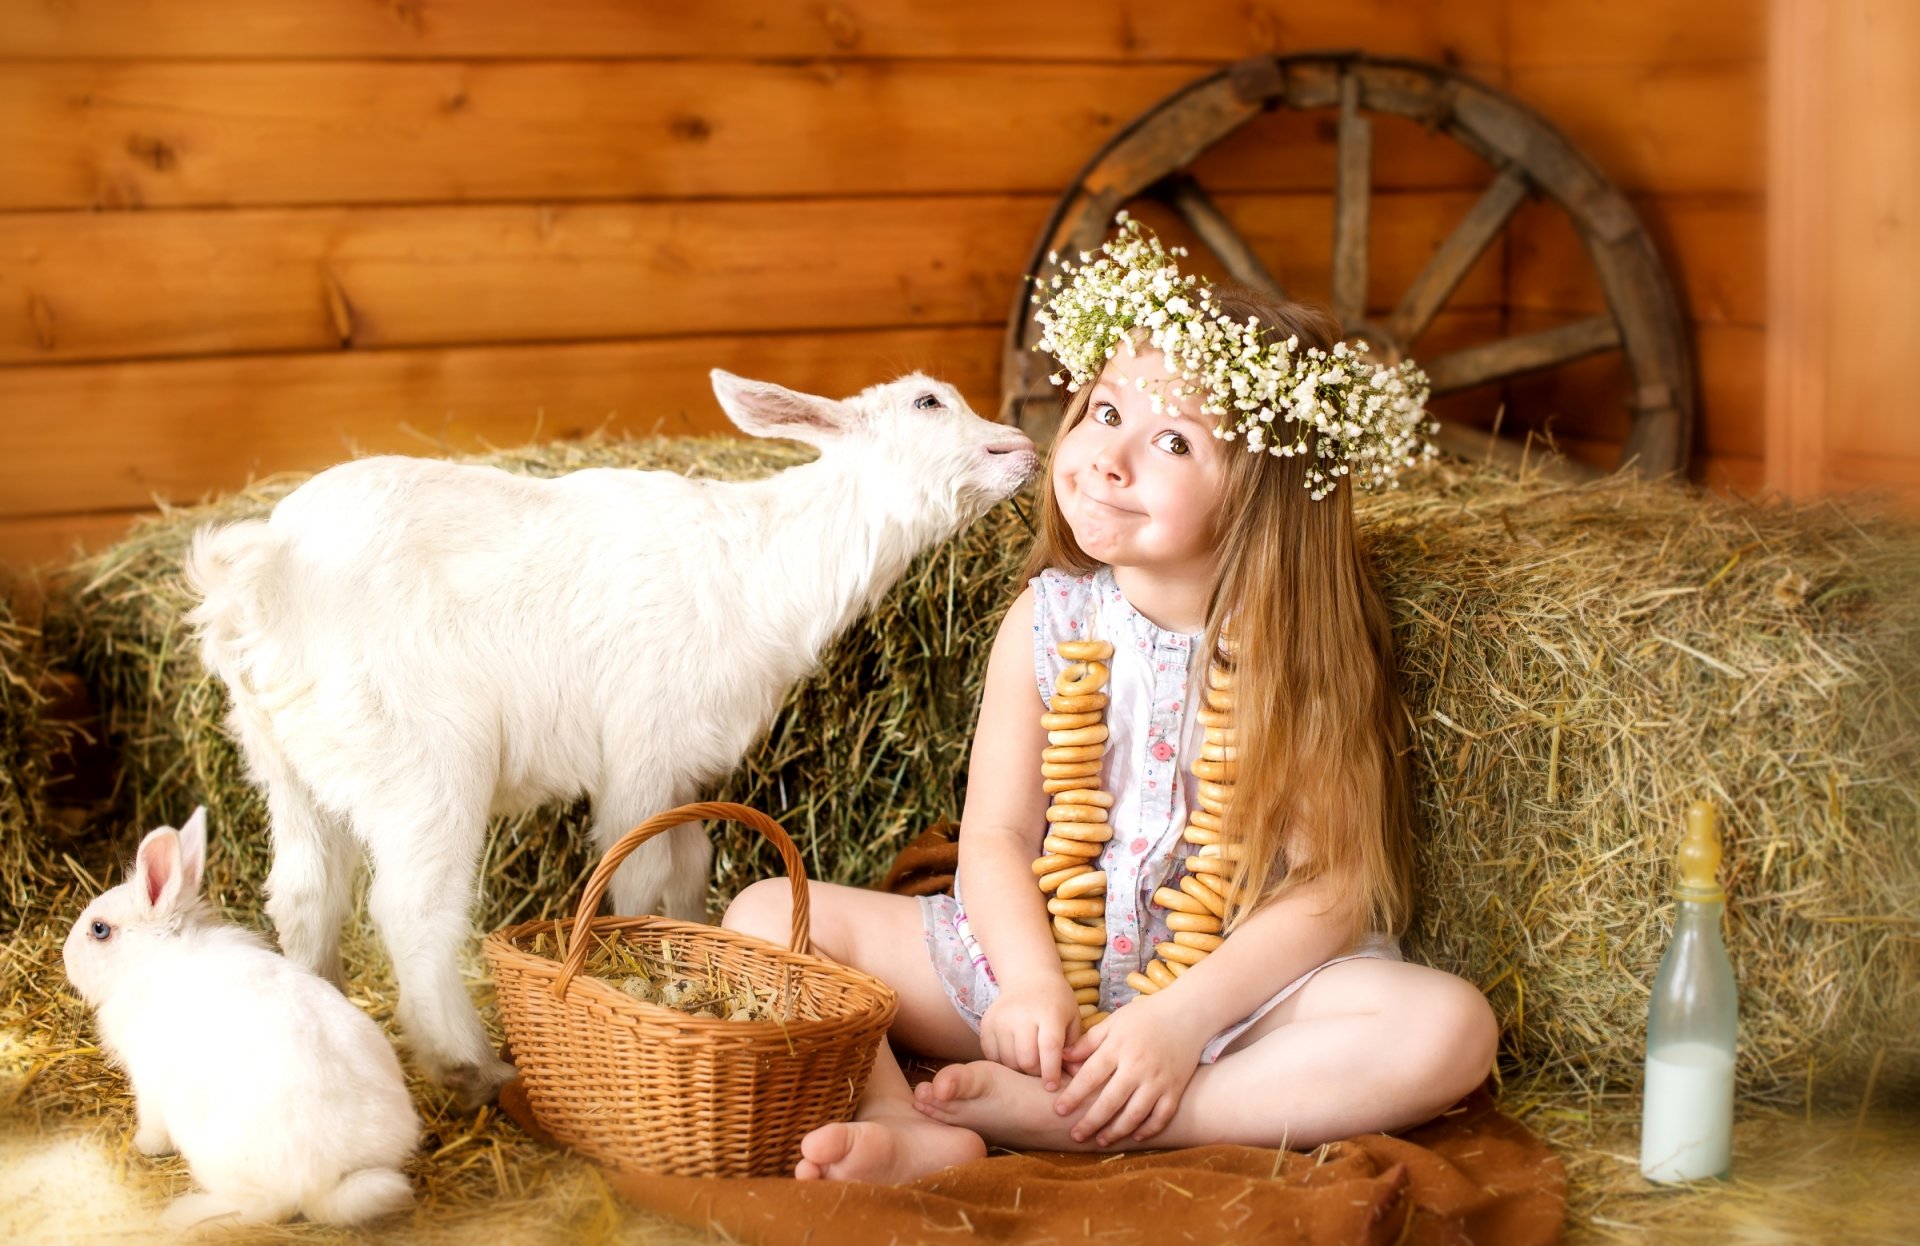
[768,410]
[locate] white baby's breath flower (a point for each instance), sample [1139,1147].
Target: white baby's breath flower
[1133,294]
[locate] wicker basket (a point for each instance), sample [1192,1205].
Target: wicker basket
[642,1087]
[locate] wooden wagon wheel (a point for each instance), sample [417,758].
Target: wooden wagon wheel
[1529,156]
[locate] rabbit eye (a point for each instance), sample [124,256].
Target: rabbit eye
[102,931]
[927,402]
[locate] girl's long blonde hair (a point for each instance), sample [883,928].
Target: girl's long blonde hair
[1321,789]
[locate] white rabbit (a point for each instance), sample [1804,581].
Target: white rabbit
[280,1094]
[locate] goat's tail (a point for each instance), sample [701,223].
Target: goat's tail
[235,571]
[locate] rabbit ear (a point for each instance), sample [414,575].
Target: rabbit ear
[157,873]
[193,851]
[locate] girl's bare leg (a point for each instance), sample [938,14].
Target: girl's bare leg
[880,934]
[1365,1045]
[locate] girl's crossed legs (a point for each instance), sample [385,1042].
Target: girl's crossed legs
[1363,1045]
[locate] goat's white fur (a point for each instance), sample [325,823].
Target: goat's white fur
[411,645]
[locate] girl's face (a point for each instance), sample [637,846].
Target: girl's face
[1139,487]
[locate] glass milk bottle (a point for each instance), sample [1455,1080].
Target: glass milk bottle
[1686,1127]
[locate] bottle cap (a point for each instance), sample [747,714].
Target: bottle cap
[1700,856]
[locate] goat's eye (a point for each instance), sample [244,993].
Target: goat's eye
[102,931]
[927,402]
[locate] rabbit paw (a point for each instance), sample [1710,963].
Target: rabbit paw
[152,1139]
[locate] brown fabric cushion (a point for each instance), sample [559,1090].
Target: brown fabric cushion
[1470,1176]
[926,866]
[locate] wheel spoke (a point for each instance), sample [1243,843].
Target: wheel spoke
[1477,365]
[1468,241]
[1197,208]
[1351,206]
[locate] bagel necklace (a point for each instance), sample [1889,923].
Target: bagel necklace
[1077,829]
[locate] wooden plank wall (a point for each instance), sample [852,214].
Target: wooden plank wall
[239,238]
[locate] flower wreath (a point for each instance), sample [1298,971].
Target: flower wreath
[1355,418]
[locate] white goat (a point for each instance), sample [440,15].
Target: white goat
[411,645]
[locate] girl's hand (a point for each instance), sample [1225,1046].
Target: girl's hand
[1133,1067]
[1029,1026]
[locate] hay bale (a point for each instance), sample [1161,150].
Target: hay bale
[28,740]
[1584,662]
[1580,663]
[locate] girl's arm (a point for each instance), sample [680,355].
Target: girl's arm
[1000,833]
[1135,1067]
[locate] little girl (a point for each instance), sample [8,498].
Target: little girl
[1194,508]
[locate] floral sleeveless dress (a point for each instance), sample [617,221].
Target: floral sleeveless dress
[1153,733]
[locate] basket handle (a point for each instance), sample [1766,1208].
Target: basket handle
[700,811]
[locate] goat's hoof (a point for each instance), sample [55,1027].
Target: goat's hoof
[474,1085]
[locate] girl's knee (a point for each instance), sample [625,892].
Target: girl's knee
[1465,1037]
[763,910]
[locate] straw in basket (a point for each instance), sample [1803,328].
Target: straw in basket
[643,1087]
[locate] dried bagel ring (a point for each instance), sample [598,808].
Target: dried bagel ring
[1161,975]
[1077,736]
[1205,821]
[1210,751]
[1205,923]
[1058,847]
[1174,967]
[1219,676]
[1077,783]
[1198,864]
[1208,899]
[1194,939]
[1086,995]
[1086,906]
[1207,716]
[1090,1019]
[1219,792]
[1055,861]
[1213,805]
[1093,882]
[1066,930]
[1085,796]
[1223,850]
[1068,722]
[1068,770]
[1214,771]
[1220,699]
[1051,882]
[1082,679]
[1084,650]
[1087,1013]
[1077,978]
[1196,834]
[1062,754]
[1142,983]
[1076,813]
[1088,704]
[1179,954]
[1177,901]
[1078,952]
[1081,832]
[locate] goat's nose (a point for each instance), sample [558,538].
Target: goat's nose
[1012,443]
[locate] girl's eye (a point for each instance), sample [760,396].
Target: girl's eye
[927,402]
[102,931]
[1104,409]
[1173,443]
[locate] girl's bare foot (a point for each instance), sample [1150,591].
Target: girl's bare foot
[885,1148]
[1003,1104]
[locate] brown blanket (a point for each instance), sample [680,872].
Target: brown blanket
[1471,1176]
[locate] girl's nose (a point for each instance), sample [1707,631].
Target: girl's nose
[1110,464]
